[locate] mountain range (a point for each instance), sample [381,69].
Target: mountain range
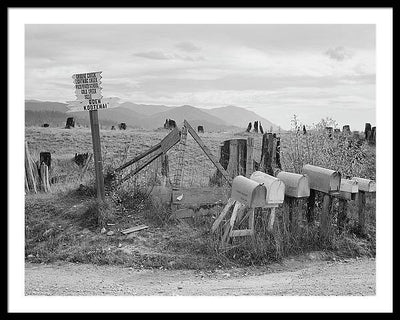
[146,116]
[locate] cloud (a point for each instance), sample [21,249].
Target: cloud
[187,46]
[338,53]
[160,55]
[154,55]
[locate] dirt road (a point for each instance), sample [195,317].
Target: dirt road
[292,277]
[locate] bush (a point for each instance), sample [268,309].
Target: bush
[343,152]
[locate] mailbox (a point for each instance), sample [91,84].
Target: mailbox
[321,179]
[275,187]
[248,192]
[365,184]
[296,185]
[348,189]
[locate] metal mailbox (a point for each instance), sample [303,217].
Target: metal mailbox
[296,185]
[275,187]
[321,179]
[348,189]
[248,192]
[365,184]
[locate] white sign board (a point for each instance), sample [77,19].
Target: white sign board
[88,93]
[87,85]
[93,104]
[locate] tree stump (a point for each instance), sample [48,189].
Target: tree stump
[373,135]
[248,127]
[270,154]
[346,129]
[234,159]
[255,126]
[367,131]
[46,158]
[70,123]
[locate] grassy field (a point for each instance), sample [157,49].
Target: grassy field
[63,225]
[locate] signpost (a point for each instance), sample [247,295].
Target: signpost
[89,98]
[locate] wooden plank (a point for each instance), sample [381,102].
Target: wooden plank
[142,166]
[165,144]
[98,162]
[242,233]
[183,213]
[225,237]
[208,152]
[222,215]
[133,229]
[251,220]
[139,157]
[236,210]
[249,156]
[271,220]
[170,140]
[29,169]
[198,196]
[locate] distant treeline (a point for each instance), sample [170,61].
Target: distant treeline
[58,119]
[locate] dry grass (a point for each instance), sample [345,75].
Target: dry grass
[167,244]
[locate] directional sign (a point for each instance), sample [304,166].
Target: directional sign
[88,94]
[93,104]
[87,77]
[87,85]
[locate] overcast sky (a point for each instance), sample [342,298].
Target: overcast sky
[313,71]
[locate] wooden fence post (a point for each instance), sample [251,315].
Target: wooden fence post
[311,206]
[270,158]
[44,174]
[98,162]
[249,156]
[164,169]
[46,158]
[29,170]
[342,214]
[233,158]
[325,217]
[362,217]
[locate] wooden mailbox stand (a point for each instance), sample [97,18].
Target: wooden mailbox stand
[348,192]
[328,182]
[365,186]
[260,191]
[297,188]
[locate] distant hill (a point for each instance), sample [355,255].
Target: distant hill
[195,116]
[144,109]
[113,117]
[34,105]
[145,116]
[240,117]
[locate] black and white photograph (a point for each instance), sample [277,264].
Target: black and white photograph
[170,159]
